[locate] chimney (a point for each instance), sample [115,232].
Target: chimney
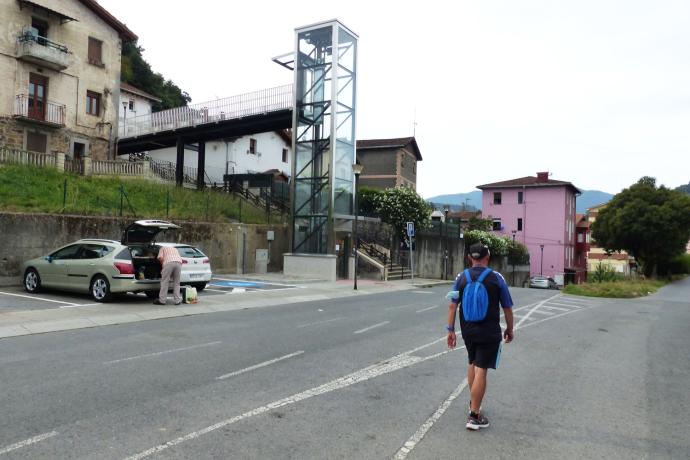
[542,177]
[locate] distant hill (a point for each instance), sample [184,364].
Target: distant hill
[588,199]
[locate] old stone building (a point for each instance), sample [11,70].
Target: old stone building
[388,162]
[60,76]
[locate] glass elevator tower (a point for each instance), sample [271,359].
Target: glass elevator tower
[323,139]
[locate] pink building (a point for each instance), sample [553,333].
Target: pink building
[540,213]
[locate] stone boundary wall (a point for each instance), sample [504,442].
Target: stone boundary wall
[231,247]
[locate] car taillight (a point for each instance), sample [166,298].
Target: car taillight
[125,268]
[205,261]
[184,261]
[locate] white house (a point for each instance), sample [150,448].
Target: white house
[255,153]
[134,102]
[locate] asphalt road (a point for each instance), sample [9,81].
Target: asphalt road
[361,377]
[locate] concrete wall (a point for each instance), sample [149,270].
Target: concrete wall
[67,87]
[230,247]
[317,266]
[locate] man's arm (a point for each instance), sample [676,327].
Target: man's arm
[508,334]
[452,339]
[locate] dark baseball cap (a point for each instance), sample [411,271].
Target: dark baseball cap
[479,251]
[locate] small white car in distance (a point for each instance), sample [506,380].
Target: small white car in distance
[196,267]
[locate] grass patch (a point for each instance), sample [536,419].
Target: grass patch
[30,189]
[623,289]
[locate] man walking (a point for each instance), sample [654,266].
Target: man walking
[171,264]
[479,324]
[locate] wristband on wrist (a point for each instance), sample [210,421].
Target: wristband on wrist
[450,328]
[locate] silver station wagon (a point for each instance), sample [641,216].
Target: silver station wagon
[102,267]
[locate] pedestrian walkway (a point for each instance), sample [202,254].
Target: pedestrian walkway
[78,315]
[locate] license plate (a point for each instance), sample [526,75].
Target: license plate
[195,275]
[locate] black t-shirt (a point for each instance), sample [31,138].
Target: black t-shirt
[489,329]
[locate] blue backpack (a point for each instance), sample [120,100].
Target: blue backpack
[475,299]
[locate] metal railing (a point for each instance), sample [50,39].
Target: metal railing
[43,41]
[24,157]
[49,113]
[243,105]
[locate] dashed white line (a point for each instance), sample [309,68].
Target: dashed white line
[40,298]
[27,442]
[164,352]
[260,365]
[426,426]
[325,321]
[427,309]
[372,327]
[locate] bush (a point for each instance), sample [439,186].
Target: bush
[615,289]
[603,273]
[680,265]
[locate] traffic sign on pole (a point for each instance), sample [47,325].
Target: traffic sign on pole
[410,229]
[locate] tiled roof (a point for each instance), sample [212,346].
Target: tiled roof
[134,90]
[528,181]
[398,142]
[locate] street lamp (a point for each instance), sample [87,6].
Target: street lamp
[514,232]
[357,170]
[446,210]
[541,265]
[124,120]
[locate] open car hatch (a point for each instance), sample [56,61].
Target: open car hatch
[145,231]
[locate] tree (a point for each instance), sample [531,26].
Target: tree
[137,72]
[651,223]
[399,205]
[477,223]
[367,201]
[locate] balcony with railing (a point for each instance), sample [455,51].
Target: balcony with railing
[43,112]
[41,51]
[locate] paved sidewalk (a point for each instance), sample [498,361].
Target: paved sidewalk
[27,322]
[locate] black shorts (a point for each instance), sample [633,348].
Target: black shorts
[484,355]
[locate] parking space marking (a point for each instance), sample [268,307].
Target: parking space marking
[216,290]
[256,282]
[27,442]
[81,305]
[40,298]
[372,327]
[164,352]
[550,307]
[260,365]
[565,304]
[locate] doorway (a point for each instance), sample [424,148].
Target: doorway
[344,251]
[38,89]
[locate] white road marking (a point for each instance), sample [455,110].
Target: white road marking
[81,305]
[551,307]
[533,309]
[397,307]
[571,305]
[423,292]
[372,327]
[148,355]
[427,308]
[541,311]
[361,375]
[426,426]
[27,442]
[40,298]
[260,365]
[321,322]
[216,290]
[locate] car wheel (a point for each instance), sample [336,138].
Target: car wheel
[151,294]
[32,281]
[100,289]
[199,286]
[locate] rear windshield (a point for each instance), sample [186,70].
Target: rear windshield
[188,251]
[124,255]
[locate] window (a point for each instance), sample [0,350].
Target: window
[93,103]
[36,142]
[580,238]
[70,252]
[497,225]
[252,146]
[95,51]
[94,251]
[38,94]
[131,105]
[41,28]
[285,156]
[497,197]
[519,197]
[519,226]
[190,252]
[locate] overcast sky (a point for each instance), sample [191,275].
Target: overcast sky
[596,92]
